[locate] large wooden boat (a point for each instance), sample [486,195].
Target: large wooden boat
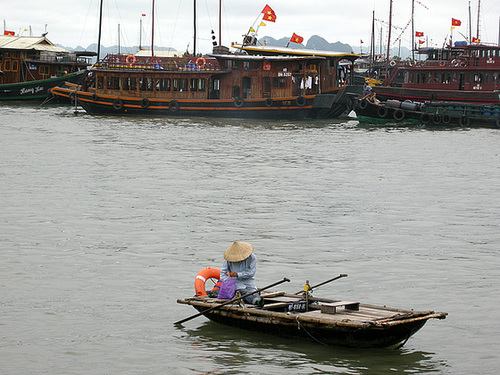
[251,82]
[467,73]
[31,66]
[327,321]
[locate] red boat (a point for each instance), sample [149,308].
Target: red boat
[459,73]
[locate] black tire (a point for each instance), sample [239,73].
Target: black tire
[94,97]
[269,102]
[238,102]
[436,119]
[464,121]
[382,112]
[301,101]
[145,103]
[363,104]
[173,106]
[425,118]
[446,119]
[117,104]
[399,115]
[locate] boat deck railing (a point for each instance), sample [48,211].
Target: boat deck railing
[184,63]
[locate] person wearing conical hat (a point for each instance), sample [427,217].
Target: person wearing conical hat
[241,263]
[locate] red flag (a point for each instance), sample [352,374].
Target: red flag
[419,33]
[144,14]
[475,40]
[267,10]
[6,32]
[361,40]
[455,22]
[270,17]
[296,39]
[421,41]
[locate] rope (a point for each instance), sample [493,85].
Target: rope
[305,330]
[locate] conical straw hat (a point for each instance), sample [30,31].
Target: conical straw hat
[238,251]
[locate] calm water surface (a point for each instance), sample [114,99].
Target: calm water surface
[104,223]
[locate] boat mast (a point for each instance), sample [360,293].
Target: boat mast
[388,42]
[220,22]
[470,25]
[412,30]
[99,38]
[372,46]
[152,29]
[478,14]
[194,26]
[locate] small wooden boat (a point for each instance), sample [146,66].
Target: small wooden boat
[327,321]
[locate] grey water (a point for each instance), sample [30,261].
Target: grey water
[105,221]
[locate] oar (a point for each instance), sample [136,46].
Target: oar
[231,301]
[324,282]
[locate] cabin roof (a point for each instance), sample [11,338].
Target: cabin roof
[38,43]
[296,51]
[265,58]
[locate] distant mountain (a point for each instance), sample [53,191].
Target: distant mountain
[315,42]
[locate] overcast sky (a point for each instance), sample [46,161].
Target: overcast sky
[73,23]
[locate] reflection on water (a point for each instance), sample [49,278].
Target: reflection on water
[229,348]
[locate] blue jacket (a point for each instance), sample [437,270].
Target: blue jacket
[245,269]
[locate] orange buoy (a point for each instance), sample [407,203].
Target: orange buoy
[202,277]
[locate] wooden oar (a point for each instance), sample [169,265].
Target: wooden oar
[323,283]
[231,301]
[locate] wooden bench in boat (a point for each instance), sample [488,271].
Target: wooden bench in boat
[331,308]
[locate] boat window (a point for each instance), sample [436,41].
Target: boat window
[109,82]
[487,78]
[193,86]
[405,77]
[201,84]
[161,84]
[133,83]
[254,65]
[116,83]
[454,77]
[15,66]
[179,84]
[143,84]
[100,82]
[267,86]
[125,83]
[43,70]
[150,82]
[423,77]
[246,65]
[448,78]
[412,77]
[236,65]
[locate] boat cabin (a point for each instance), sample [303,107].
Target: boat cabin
[462,67]
[218,76]
[25,59]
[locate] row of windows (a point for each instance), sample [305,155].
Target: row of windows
[151,84]
[13,66]
[447,77]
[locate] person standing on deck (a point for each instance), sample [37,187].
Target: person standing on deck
[241,263]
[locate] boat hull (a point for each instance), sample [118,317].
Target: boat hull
[367,337]
[321,106]
[36,90]
[434,114]
[329,322]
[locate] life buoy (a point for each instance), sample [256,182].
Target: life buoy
[117,104]
[497,122]
[200,62]
[145,103]
[173,106]
[238,102]
[301,101]
[398,114]
[130,59]
[455,62]
[269,102]
[94,97]
[446,119]
[393,63]
[442,63]
[202,277]
[382,112]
